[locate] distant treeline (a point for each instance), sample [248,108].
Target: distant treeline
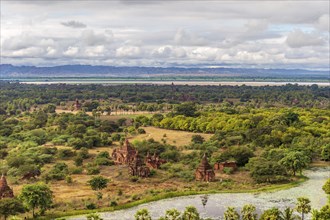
[288,95]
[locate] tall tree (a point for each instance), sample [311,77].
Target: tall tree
[142,214]
[288,214]
[171,214]
[94,216]
[190,213]
[10,206]
[271,214]
[249,212]
[295,161]
[231,214]
[35,196]
[303,206]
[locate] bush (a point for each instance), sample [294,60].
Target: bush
[116,137]
[98,182]
[84,153]
[134,179]
[90,206]
[68,179]
[103,161]
[103,154]
[93,170]
[65,153]
[113,203]
[77,170]
[141,131]
[197,139]
[228,170]
[58,172]
[78,160]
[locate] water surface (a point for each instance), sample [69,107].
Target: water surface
[217,203]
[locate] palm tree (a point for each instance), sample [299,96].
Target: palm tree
[249,212]
[190,213]
[316,214]
[303,206]
[287,214]
[172,214]
[231,214]
[142,214]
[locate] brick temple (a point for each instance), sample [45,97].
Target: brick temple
[204,171]
[5,190]
[124,154]
[138,168]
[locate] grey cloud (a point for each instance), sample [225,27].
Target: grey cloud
[74,24]
[167,32]
[297,39]
[184,37]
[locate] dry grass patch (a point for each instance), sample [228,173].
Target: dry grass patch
[173,137]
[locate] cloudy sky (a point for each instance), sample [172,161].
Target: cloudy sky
[269,34]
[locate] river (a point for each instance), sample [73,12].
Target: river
[217,203]
[200,83]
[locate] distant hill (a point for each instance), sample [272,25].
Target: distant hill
[10,71]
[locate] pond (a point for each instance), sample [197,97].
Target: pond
[214,205]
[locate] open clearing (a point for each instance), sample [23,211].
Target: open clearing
[174,137]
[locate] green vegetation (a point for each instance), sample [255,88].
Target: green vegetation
[36,196]
[272,133]
[248,212]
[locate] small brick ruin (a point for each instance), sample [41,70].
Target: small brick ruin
[204,171]
[228,164]
[138,168]
[5,190]
[154,161]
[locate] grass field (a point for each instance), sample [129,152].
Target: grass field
[177,138]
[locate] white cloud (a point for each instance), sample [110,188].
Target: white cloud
[166,32]
[323,23]
[298,38]
[71,51]
[128,51]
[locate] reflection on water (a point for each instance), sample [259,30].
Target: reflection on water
[204,199]
[213,206]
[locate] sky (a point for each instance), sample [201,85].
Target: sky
[235,33]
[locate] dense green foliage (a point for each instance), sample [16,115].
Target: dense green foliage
[272,133]
[10,206]
[37,196]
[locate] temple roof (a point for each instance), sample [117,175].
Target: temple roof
[137,161]
[127,146]
[204,165]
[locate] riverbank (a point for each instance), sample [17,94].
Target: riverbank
[269,188]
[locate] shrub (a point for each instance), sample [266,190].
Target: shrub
[65,153]
[134,179]
[68,179]
[78,160]
[93,170]
[103,161]
[141,131]
[98,182]
[197,139]
[90,206]
[228,170]
[58,172]
[84,153]
[77,170]
[103,154]
[113,203]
